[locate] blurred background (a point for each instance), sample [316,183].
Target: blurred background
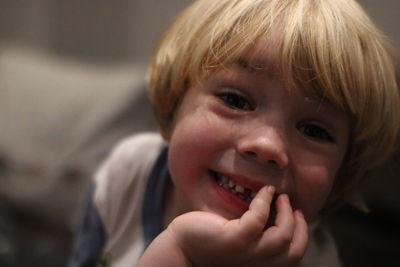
[72,83]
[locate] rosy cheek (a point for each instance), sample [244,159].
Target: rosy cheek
[313,186]
[190,141]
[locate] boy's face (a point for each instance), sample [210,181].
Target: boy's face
[240,129]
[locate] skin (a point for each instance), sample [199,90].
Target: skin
[243,123]
[206,239]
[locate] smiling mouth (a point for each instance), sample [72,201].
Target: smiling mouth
[244,193]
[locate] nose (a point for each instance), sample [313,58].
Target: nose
[264,145]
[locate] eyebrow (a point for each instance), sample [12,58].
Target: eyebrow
[254,66]
[257,66]
[250,65]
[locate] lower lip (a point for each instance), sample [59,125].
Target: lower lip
[235,203]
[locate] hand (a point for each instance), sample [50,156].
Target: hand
[205,240]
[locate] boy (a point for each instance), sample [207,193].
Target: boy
[271,112]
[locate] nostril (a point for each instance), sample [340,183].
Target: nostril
[254,156]
[264,149]
[273,162]
[251,154]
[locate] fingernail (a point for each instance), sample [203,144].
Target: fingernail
[271,189]
[299,212]
[284,198]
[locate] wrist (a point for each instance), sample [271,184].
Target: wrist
[164,251]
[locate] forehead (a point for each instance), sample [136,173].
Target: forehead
[266,58]
[263,56]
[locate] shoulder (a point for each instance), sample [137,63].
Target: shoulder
[130,155]
[136,143]
[321,248]
[121,180]
[140,146]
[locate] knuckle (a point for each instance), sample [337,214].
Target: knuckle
[282,243]
[296,255]
[259,203]
[286,239]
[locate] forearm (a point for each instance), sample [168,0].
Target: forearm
[164,251]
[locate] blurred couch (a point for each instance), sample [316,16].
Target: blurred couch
[59,118]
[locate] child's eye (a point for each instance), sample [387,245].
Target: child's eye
[235,101]
[316,132]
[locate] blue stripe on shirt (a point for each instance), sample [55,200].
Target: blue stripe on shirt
[152,213]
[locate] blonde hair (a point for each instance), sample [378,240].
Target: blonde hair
[328,46]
